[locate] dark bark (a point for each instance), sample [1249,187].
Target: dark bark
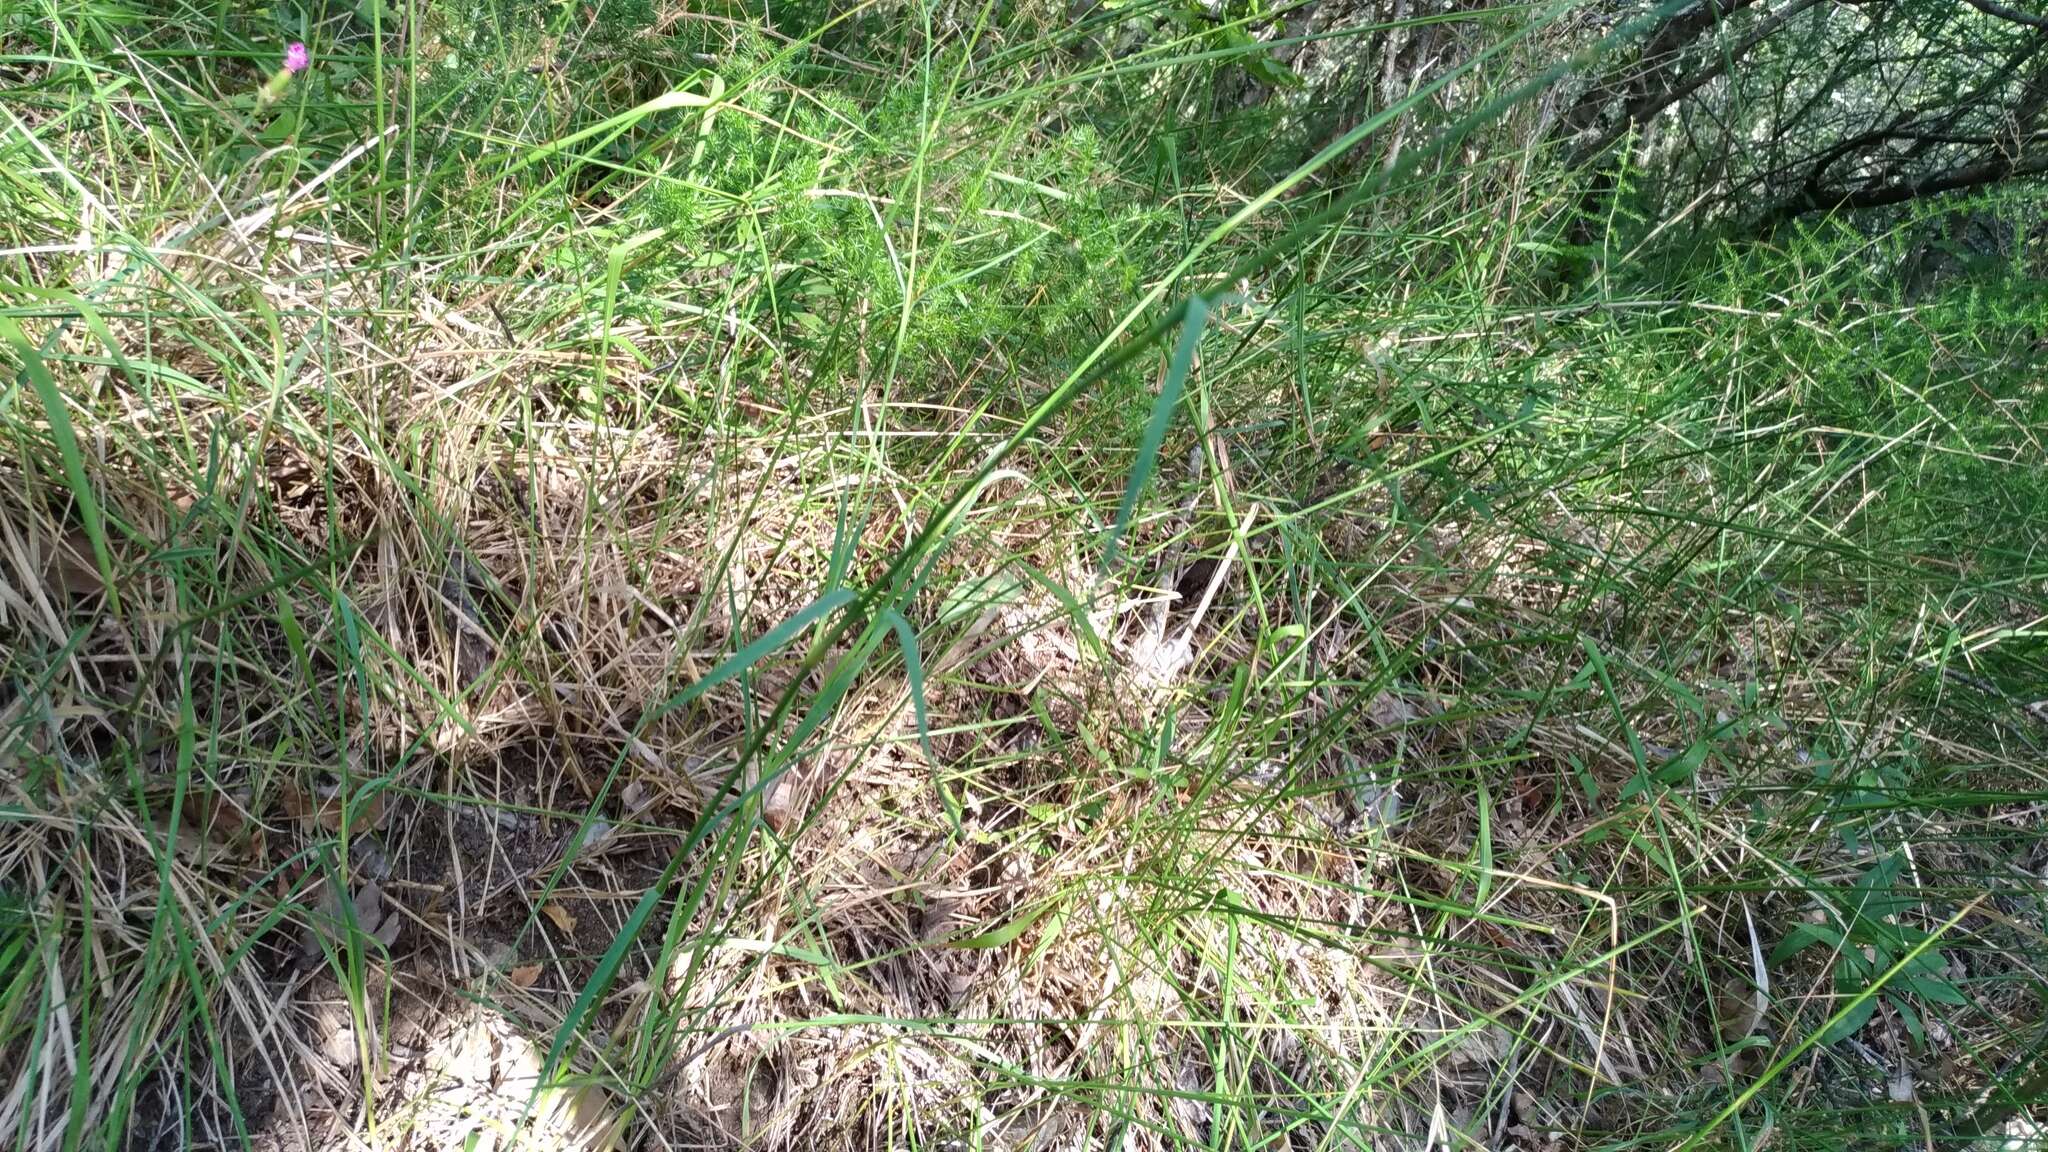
[1973,175]
[1910,100]
[1994,8]
[1650,83]
[2016,153]
[1648,104]
[1651,68]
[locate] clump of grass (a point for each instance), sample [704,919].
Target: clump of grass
[627,575]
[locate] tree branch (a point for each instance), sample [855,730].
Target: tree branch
[1994,8]
[1646,106]
[1659,53]
[1975,175]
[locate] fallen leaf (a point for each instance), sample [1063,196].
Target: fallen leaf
[71,567]
[524,975]
[1389,711]
[560,917]
[369,906]
[579,1114]
[633,797]
[597,836]
[778,803]
[322,806]
[340,1047]
[323,926]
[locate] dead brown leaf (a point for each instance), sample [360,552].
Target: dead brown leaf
[524,975]
[71,568]
[321,806]
[217,815]
[559,917]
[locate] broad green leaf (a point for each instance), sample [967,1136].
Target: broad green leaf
[1681,768]
[1803,937]
[1939,991]
[1850,1022]
[997,937]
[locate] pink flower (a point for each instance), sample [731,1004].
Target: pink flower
[296,58]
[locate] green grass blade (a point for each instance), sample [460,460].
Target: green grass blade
[750,655]
[913,666]
[66,442]
[1195,317]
